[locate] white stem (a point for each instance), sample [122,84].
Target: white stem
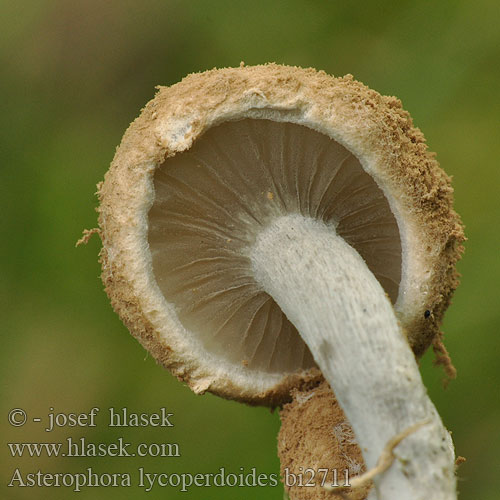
[344,316]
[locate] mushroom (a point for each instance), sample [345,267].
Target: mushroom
[317,448]
[264,225]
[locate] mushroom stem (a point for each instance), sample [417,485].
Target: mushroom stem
[346,319]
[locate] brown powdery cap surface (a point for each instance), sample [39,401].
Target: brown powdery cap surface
[315,435]
[374,128]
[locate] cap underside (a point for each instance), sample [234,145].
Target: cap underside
[213,199]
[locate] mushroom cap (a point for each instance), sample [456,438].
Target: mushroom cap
[315,434]
[385,148]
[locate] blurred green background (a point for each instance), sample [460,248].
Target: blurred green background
[75,73]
